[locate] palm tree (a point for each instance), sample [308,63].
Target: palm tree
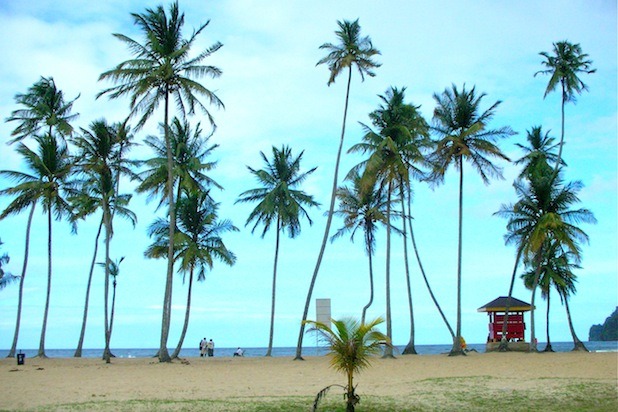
[352,51]
[44,106]
[351,344]
[51,167]
[463,134]
[280,202]
[197,244]
[113,270]
[564,65]
[6,278]
[162,69]
[361,208]
[543,215]
[101,161]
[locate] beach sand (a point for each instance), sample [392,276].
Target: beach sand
[52,382]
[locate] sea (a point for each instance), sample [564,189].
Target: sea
[595,346]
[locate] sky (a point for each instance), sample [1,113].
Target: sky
[274,94]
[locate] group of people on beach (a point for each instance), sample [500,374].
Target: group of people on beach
[207,347]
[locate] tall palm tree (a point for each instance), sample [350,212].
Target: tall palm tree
[101,162]
[463,134]
[353,50]
[351,343]
[542,215]
[6,277]
[162,68]
[43,107]
[113,271]
[51,168]
[361,208]
[198,243]
[280,202]
[564,66]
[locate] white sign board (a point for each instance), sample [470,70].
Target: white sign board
[322,311]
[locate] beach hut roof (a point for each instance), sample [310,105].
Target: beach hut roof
[499,305]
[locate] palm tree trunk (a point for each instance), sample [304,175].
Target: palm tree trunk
[409,349]
[106,218]
[80,342]
[420,265]
[578,345]
[457,350]
[535,285]
[111,318]
[351,396]
[185,326]
[388,350]
[329,218]
[21,284]
[167,298]
[41,352]
[559,161]
[274,289]
[548,347]
[369,252]
[504,345]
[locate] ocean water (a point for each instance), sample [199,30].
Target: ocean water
[291,351]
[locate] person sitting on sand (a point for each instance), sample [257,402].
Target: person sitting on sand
[239,352]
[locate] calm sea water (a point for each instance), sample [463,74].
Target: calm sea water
[291,351]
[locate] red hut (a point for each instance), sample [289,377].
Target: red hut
[515,328]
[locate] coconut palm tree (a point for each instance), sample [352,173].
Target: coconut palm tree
[463,134]
[163,69]
[361,208]
[564,65]
[6,278]
[43,107]
[280,202]
[351,344]
[51,168]
[100,162]
[353,50]
[113,271]
[198,243]
[543,215]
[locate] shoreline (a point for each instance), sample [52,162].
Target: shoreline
[51,382]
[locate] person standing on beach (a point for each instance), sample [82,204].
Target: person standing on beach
[203,347]
[211,348]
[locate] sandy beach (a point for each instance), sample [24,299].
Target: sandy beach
[51,383]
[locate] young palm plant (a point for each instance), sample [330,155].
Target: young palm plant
[463,135]
[281,203]
[351,344]
[353,50]
[162,69]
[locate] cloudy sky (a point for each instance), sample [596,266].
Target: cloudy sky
[274,94]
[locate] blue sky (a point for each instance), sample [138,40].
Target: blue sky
[274,94]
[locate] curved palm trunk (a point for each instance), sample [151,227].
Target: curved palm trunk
[457,350]
[106,219]
[504,344]
[187,313]
[578,345]
[548,347]
[368,242]
[41,352]
[80,343]
[21,284]
[111,318]
[274,289]
[564,96]
[420,265]
[299,345]
[167,298]
[388,351]
[410,348]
